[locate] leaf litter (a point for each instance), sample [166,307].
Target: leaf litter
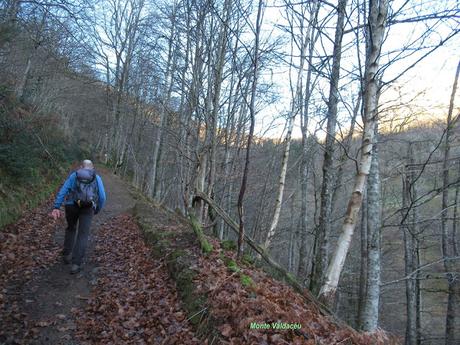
[134,301]
[26,248]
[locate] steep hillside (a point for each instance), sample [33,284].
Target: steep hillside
[234,302]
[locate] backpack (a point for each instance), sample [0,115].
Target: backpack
[86,191]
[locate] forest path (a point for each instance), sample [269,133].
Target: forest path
[122,294]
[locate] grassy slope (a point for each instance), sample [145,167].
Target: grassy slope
[15,198]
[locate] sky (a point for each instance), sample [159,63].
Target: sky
[431,79]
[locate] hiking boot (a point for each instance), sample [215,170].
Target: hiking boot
[67,259]
[75,269]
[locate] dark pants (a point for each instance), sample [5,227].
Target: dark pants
[78,248]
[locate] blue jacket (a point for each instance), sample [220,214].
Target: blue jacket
[70,185]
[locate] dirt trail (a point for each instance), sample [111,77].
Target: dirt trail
[56,292]
[45,306]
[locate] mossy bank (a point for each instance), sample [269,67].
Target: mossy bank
[179,246]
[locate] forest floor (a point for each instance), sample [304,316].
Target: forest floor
[126,295]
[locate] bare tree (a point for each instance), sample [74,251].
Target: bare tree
[376,30]
[324,228]
[252,112]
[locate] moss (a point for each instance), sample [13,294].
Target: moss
[176,254]
[184,279]
[196,309]
[153,235]
[247,259]
[291,277]
[150,237]
[228,245]
[193,303]
[206,247]
[163,245]
[232,266]
[246,280]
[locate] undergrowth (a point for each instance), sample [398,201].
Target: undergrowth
[33,154]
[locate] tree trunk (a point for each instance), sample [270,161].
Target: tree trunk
[411,311]
[324,229]
[376,26]
[448,241]
[184,119]
[370,316]
[281,182]
[363,263]
[306,154]
[410,230]
[25,76]
[453,310]
[255,65]
[217,84]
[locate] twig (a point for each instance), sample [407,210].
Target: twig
[202,310]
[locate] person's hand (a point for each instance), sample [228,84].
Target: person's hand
[56,214]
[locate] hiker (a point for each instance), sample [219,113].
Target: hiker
[83,196]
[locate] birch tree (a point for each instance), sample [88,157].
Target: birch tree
[370,314]
[281,179]
[378,11]
[297,89]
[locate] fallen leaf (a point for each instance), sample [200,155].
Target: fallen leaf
[43,323]
[226,330]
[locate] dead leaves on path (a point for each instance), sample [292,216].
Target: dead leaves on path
[134,301]
[26,247]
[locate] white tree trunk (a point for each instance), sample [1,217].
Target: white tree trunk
[296,106]
[370,315]
[281,183]
[22,84]
[377,21]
